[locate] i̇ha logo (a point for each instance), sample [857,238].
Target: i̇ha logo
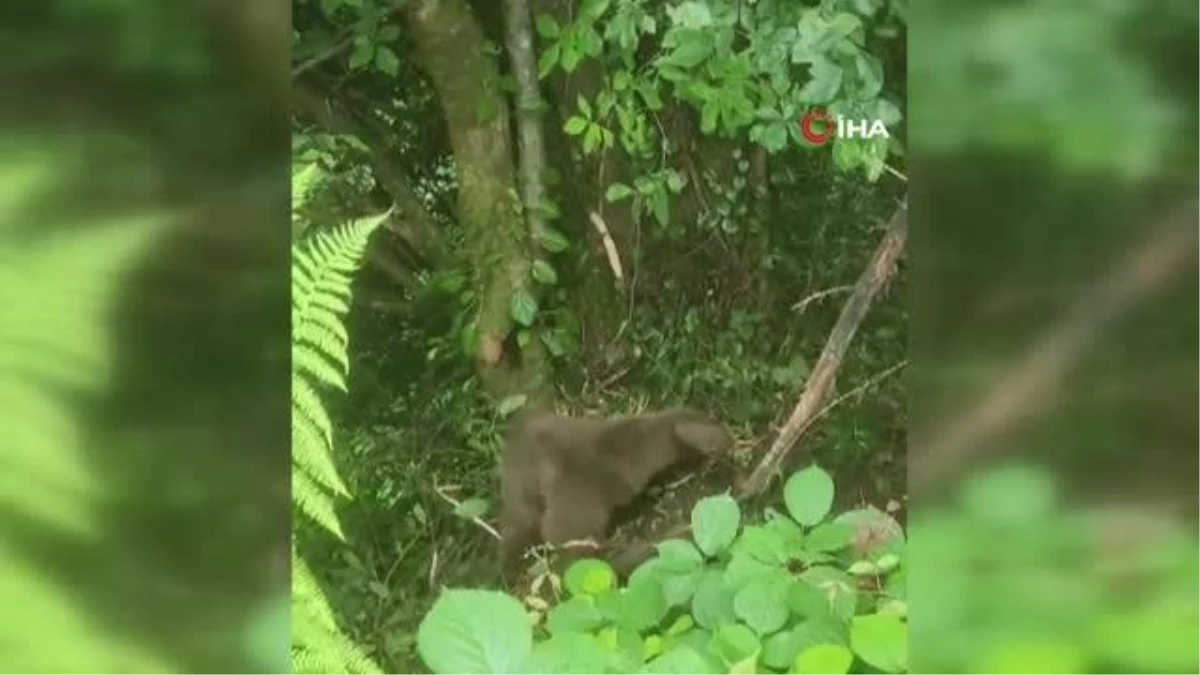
[818,127]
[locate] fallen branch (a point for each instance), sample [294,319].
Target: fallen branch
[876,275]
[1030,386]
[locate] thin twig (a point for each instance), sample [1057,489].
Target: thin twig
[799,307]
[477,520]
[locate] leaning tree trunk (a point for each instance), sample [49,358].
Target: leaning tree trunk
[450,48]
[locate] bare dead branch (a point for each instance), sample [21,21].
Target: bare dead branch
[876,275]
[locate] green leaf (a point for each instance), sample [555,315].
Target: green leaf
[735,643]
[822,659]
[364,52]
[523,307]
[543,273]
[828,537]
[824,590]
[679,555]
[681,659]
[637,607]
[762,603]
[715,523]
[808,495]
[590,576]
[743,569]
[825,83]
[761,544]
[1013,495]
[660,203]
[781,649]
[870,75]
[881,640]
[555,341]
[511,404]
[679,587]
[548,60]
[691,51]
[877,529]
[568,653]
[387,61]
[575,125]
[547,27]
[475,631]
[471,508]
[552,240]
[617,191]
[578,614]
[712,605]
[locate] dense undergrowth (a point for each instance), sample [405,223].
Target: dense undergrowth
[419,439]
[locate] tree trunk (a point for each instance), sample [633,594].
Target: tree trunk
[450,48]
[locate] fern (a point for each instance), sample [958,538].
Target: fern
[58,286]
[322,269]
[323,265]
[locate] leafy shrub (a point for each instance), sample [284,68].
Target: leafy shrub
[797,592]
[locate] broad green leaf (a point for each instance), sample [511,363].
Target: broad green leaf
[552,240]
[743,569]
[660,204]
[575,125]
[825,83]
[578,614]
[876,531]
[712,605]
[637,607]
[823,659]
[364,52]
[781,649]
[547,27]
[808,495]
[570,652]
[681,659]
[762,603]
[762,544]
[512,404]
[715,523]
[881,640]
[735,643]
[523,307]
[870,75]
[475,631]
[679,555]
[474,507]
[590,576]
[548,60]
[678,587]
[617,191]
[544,273]
[823,590]
[829,537]
[1013,495]
[387,61]
[555,340]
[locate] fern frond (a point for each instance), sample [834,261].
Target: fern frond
[58,282]
[323,265]
[318,645]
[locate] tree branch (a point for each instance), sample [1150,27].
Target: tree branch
[874,277]
[413,223]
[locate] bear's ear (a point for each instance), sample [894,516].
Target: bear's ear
[703,435]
